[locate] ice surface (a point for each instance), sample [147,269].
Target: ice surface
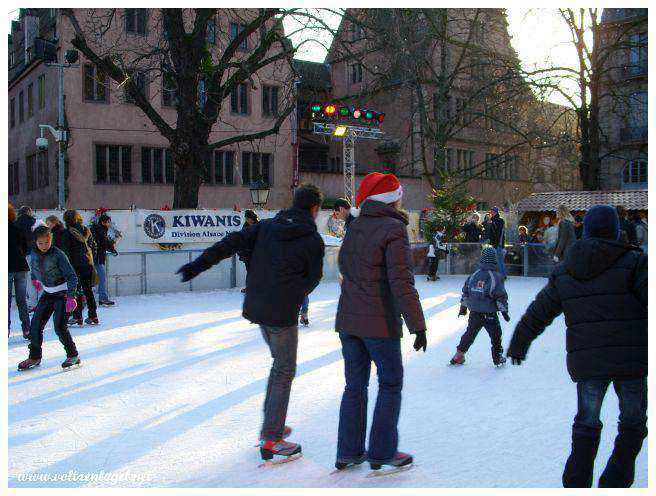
[171,389]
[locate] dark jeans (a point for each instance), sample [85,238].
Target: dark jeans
[85,286]
[283,343]
[433,264]
[305,305]
[586,431]
[51,304]
[18,282]
[476,322]
[383,438]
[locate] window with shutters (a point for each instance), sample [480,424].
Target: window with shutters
[211,32]
[169,169]
[256,166]
[136,21]
[224,163]
[113,164]
[30,100]
[14,180]
[235,29]
[270,101]
[43,178]
[239,100]
[30,172]
[96,87]
[169,90]
[41,91]
[355,73]
[635,172]
[156,165]
[139,79]
[21,108]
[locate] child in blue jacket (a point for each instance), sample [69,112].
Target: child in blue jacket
[483,294]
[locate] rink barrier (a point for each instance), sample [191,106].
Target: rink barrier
[520,259]
[153,272]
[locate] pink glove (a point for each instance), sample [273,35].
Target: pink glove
[37,285]
[71,304]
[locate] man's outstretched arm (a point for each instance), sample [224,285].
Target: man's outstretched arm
[228,246]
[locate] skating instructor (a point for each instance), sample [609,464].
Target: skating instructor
[285,266]
[378,288]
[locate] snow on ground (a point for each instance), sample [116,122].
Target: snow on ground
[171,390]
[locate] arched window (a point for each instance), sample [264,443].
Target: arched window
[635,172]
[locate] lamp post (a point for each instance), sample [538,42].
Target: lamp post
[259,193]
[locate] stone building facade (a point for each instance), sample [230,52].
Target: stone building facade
[116,157]
[349,79]
[623,107]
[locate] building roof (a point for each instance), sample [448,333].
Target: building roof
[313,74]
[583,200]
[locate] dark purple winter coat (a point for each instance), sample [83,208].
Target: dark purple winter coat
[378,286]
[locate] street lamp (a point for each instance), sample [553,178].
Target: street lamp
[259,193]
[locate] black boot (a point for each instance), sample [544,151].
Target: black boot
[620,469]
[580,464]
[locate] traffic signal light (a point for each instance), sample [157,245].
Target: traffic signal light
[357,113]
[330,110]
[344,111]
[316,108]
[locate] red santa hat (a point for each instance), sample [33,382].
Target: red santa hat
[384,188]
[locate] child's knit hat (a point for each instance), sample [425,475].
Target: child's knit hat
[489,256]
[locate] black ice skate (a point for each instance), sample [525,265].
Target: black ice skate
[71,363]
[400,462]
[458,359]
[28,364]
[498,359]
[344,463]
[305,321]
[106,303]
[92,321]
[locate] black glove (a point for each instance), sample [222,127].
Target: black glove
[420,341]
[188,271]
[463,310]
[506,317]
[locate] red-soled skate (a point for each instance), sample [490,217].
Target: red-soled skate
[277,452]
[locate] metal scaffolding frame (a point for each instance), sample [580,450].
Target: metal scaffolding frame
[353,133]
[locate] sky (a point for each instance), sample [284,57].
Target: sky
[539,36]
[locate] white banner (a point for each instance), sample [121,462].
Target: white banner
[187,226]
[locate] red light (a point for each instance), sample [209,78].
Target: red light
[357,113]
[330,109]
[381,117]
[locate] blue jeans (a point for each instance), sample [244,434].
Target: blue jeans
[383,439]
[305,305]
[586,432]
[103,295]
[501,253]
[18,282]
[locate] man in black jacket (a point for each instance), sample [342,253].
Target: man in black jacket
[286,265]
[601,287]
[497,238]
[102,245]
[342,209]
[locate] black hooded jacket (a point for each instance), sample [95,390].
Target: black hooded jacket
[601,287]
[286,265]
[25,223]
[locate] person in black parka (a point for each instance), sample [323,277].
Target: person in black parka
[18,272]
[285,266]
[601,287]
[78,245]
[250,218]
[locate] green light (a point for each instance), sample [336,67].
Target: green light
[344,111]
[316,108]
[368,115]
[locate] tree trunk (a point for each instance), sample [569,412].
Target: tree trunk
[187,164]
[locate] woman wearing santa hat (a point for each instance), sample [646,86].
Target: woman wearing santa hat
[377,290]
